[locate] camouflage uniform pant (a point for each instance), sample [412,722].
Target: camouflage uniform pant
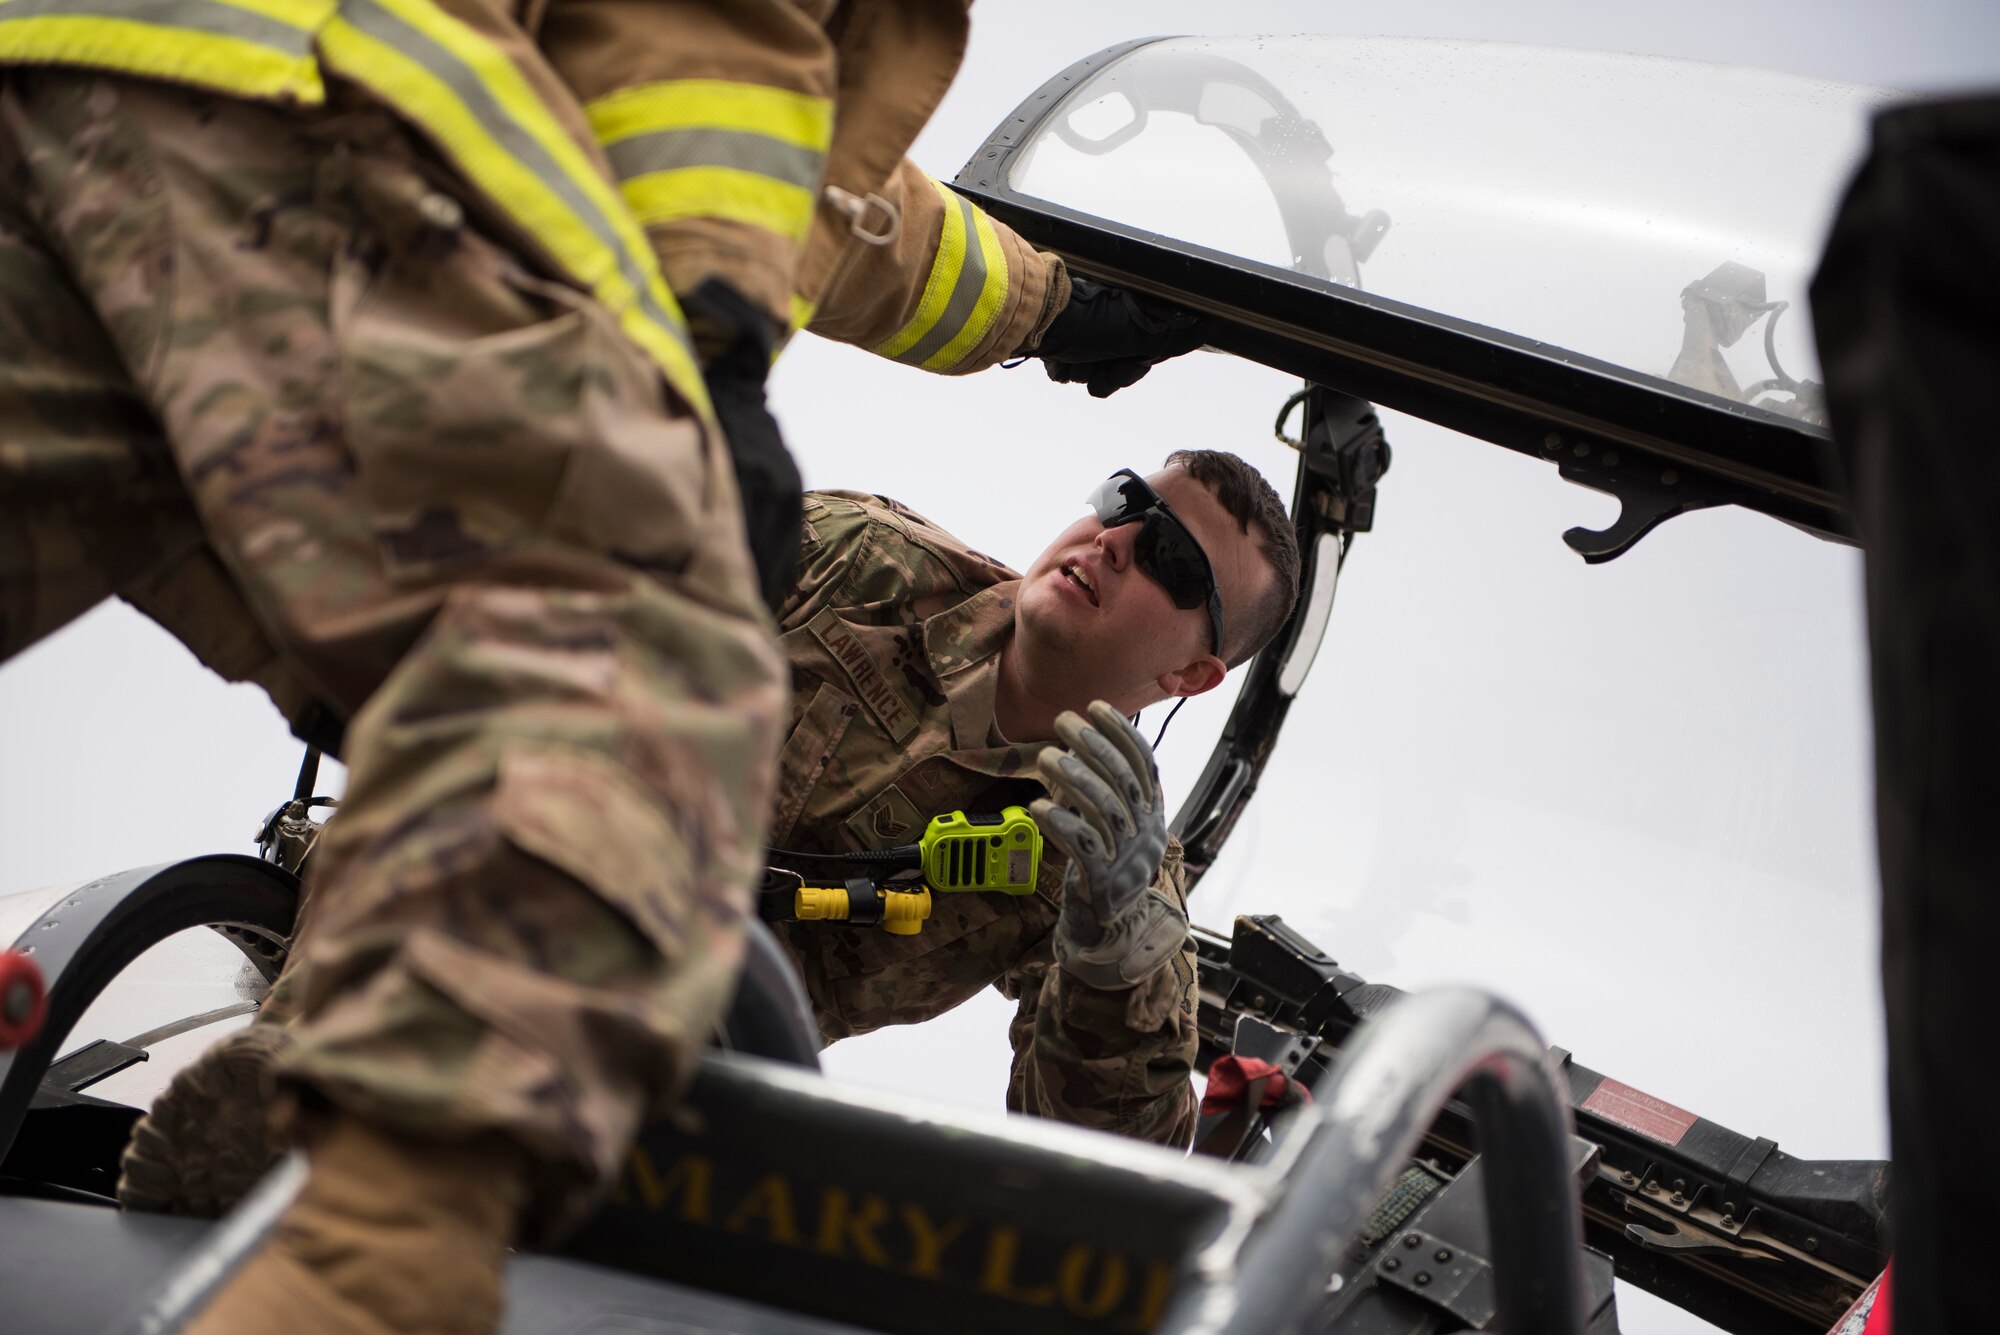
[463,508]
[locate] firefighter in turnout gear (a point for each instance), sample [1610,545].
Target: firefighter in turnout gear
[405,357]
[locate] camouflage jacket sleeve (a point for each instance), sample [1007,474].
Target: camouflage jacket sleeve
[859,549]
[1116,1061]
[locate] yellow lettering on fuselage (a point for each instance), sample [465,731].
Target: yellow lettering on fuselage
[1109,1290]
[770,1202]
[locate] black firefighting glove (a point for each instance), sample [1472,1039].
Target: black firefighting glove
[736,339]
[1105,811]
[1107,338]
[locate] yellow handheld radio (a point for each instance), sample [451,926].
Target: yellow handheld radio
[996,853]
[1003,852]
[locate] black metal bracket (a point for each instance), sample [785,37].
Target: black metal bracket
[1648,493]
[1343,442]
[1441,1274]
[97,1060]
[1343,454]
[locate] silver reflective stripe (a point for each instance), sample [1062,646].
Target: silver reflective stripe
[193,15]
[386,27]
[964,293]
[666,150]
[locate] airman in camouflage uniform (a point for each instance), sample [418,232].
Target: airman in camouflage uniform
[898,638]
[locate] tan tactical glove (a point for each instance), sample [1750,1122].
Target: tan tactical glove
[1105,812]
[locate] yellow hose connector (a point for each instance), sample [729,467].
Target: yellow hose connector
[900,912]
[904,911]
[822,902]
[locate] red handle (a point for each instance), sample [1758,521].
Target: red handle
[23,999]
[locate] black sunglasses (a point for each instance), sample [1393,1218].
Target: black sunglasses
[1165,549]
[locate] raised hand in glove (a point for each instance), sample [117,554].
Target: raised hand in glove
[736,340]
[1105,812]
[1106,337]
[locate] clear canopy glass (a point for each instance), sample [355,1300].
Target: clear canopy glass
[1661,215]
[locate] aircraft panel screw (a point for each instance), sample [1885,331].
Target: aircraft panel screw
[1631,1178]
[1423,1277]
[1444,1254]
[1653,1186]
[1412,1240]
[1393,1263]
[1552,441]
[1679,1199]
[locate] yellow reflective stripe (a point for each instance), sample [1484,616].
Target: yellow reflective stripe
[721,192]
[713,104]
[992,298]
[623,276]
[249,48]
[710,148]
[938,287]
[964,295]
[226,64]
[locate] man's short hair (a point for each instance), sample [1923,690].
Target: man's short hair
[1251,500]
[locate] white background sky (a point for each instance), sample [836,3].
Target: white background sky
[1633,798]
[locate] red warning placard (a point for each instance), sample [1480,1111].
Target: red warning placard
[1636,1110]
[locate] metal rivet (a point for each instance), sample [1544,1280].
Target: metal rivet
[1729,1207]
[1680,1184]
[1679,1199]
[1444,1253]
[1812,1244]
[1393,1263]
[1259,1000]
[1729,1221]
[1652,1184]
[50,924]
[27,950]
[1412,1240]
[1552,441]
[1583,449]
[1423,1277]
[1631,1177]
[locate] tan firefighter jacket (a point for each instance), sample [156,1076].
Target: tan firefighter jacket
[645,145]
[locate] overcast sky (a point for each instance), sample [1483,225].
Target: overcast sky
[1634,798]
